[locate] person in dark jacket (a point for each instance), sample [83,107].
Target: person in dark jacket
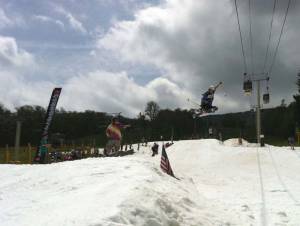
[154,149]
[291,141]
[208,98]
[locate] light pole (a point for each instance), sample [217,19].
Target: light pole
[258,117]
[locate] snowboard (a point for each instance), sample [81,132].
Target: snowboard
[201,112]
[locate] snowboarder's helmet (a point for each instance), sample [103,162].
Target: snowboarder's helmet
[211,88]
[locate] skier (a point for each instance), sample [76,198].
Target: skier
[207,99]
[114,135]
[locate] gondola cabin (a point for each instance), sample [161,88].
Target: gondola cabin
[266,98]
[248,87]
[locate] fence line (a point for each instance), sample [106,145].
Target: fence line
[26,153]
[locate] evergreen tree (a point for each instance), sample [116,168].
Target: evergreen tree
[152,110]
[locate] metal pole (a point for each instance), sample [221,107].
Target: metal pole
[194,128]
[7,154]
[258,122]
[17,141]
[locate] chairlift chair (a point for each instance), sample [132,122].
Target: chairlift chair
[247,87]
[266,98]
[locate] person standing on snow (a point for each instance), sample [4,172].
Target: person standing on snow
[114,135]
[291,141]
[154,149]
[207,99]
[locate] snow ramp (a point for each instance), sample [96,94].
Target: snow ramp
[129,190]
[219,185]
[258,185]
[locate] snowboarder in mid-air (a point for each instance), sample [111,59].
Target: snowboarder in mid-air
[207,100]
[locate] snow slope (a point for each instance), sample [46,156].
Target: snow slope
[259,185]
[219,185]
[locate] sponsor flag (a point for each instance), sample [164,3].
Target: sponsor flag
[43,146]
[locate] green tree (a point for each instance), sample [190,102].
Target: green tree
[152,110]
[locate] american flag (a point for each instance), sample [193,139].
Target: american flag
[164,163]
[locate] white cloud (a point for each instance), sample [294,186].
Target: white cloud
[105,91]
[4,20]
[177,37]
[73,22]
[12,56]
[114,92]
[47,19]
[174,36]
[99,90]
[197,44]
[15,64]
[11,20]
[76,24]
[168,94]
[189,44]
[16,91]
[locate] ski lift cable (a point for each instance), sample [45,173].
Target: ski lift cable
[262,190]
[270,35]
[250,36]
[281,32]
[241,38]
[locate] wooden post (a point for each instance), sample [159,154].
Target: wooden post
[29,153]
[17,141]
[7,154]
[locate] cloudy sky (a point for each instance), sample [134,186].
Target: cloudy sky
[115,55]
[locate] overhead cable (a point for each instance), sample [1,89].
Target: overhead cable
[241,38]
[270,35]
[281,32]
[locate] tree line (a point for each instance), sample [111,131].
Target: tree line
[77,128]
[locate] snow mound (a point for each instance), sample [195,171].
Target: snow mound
[219,185]
[103,192]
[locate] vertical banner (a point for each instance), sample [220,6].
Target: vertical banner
[43,146]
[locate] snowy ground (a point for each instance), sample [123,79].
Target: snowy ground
[219,185]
